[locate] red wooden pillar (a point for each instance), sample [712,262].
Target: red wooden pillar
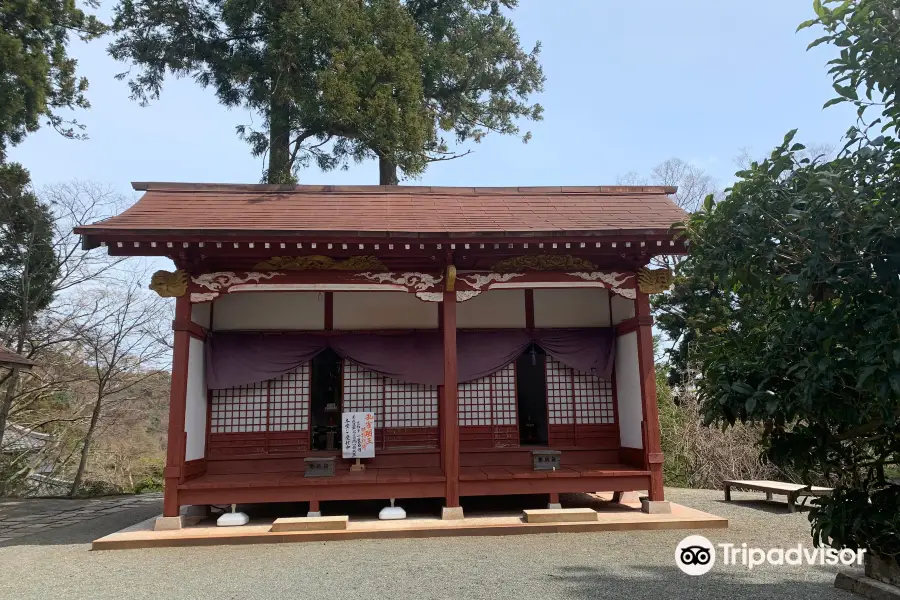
[449,408]
[653,457]
[177,402]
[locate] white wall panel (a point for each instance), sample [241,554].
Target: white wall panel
[383,310]
[200,314]
[196,405]
[628,390]
[622,309]
[269,310]
[492,309]
[572,307]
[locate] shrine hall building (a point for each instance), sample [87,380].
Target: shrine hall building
[500,336]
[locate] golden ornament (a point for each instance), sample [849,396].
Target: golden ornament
[169,285]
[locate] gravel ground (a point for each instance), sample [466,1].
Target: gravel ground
[632,565]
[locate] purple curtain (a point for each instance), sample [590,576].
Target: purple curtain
[234,359]
[480,353]
[415,357]
[589,350]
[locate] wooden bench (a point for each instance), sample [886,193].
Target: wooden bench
[791,490]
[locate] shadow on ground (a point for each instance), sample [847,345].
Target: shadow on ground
[427,507]
[669,583]
[769,506]
[87,531]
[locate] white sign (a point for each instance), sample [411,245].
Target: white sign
[358,434]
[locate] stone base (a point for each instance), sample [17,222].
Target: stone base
[310,524]
[569,515]
[656,508]
[168,523]
[314,513]
[554,506]
[867,587]
[452,513]
[885,570]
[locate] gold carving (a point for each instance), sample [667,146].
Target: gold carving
[451,278]
[169,285]
[654,281]
[321,263]
[544,262]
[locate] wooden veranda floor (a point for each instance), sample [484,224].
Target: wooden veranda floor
[501,473]
[407,483]
[403,475]
[285,479]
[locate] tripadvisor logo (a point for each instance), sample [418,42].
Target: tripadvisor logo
[696,555]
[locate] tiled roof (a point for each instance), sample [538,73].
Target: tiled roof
[10,359]
[205,208]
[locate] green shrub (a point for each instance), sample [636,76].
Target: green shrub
[152,479]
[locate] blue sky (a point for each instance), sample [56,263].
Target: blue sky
[629,84]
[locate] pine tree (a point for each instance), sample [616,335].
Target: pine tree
[37,76]
[340,80]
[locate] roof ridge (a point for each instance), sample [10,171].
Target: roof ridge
[163,186]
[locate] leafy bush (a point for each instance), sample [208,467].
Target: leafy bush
[809,254]
[96,487]
[861,518]
[152,479]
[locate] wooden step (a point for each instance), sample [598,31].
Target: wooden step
[310,523]
[560,515]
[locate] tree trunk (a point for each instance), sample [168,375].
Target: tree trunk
[6,405]
[21,335]
[95,418]
[13,382]
[387,171]
[279,144]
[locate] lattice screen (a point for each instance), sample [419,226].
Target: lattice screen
[280,404]
[363,391]
[475,407]
[289,401]
[575,397]
[503,390]
[593,399]
[410,405]
[490,400]
[395,404]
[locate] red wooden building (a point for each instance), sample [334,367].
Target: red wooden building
[482,326]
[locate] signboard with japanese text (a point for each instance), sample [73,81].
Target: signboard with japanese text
[358,434]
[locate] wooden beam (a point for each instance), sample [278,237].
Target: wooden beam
[529,309]
[329,311]
[195,331]
[652,443]
[449,408]
[177,403]
[632,324]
